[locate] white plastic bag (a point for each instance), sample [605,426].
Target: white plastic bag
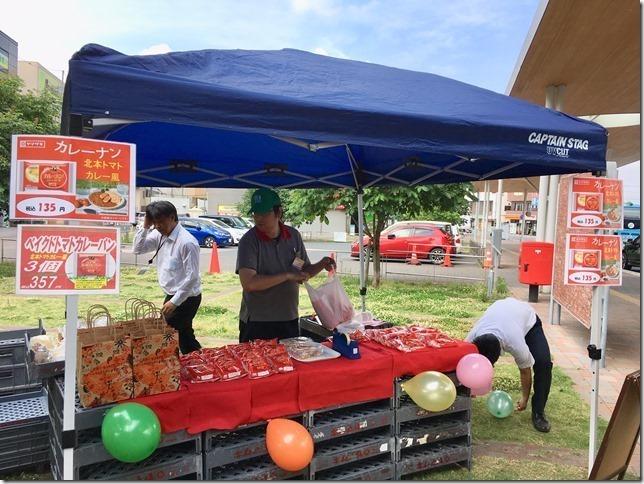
[331,303]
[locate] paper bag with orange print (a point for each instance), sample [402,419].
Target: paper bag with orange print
[155,349]
[104,369]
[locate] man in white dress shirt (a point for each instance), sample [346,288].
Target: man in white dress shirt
[177,259]
[513,326]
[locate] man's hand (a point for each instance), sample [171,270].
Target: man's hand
[328,264]
[299,277]
[168,308]
[147,222]
[522,404]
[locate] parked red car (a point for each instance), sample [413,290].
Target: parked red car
[431,241]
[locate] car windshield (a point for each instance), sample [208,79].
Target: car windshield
[237,223]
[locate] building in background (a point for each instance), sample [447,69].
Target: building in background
[513,212]
[188,201]
[224,201]
[8,55]
[37,78]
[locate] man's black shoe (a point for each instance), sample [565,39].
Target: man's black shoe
[540,423]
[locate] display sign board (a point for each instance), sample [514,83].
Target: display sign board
[68,178]
[596,203]
[593,260]
[63,260]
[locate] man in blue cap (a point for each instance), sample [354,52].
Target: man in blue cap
[271,263]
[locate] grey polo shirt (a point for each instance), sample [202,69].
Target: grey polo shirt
[268,257]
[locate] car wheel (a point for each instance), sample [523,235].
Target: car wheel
[209,241]
[436,256]
[625,265]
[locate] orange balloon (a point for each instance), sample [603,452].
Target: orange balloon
[289,444]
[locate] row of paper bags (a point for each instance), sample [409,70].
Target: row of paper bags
[126,359]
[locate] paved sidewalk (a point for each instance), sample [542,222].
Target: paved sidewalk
[568,342]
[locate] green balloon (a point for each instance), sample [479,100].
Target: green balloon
[500,404]
[131,432]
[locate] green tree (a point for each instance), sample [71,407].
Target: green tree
[22,114]
[381,204]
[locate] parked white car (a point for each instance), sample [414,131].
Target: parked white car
[235,233]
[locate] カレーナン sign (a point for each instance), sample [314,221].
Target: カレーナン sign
[596,203]
[68,178]
[59,259]
[593,260]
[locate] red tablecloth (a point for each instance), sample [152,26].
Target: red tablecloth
[226,405]
[443,359]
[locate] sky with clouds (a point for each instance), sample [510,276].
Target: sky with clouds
[474,41]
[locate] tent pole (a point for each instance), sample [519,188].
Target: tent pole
[363,283]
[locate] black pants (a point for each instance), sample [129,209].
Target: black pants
[268,330]
[181,320]
[538,345]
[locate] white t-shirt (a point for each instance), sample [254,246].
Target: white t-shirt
[509,320]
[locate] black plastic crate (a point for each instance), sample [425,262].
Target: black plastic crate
[24,460]
[85,418]
[375,469]
[338,452]
[400,395]
[409,411]
[230,447]
[325,425]
[10,435]
[166,463]
[89,448]
[23,409]
[257,469]
[12,344]
[432,456]
[15,377]
[416,433]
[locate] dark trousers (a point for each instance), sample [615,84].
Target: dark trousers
[181,320]
[538,345]
[268,330]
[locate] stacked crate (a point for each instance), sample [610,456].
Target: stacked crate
[241,454]
[428,440]
[14,375]
[179,454]
[24,430]
[353,442]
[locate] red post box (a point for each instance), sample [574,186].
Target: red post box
[535,266]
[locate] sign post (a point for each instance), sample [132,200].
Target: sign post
[70,179]
[595,260]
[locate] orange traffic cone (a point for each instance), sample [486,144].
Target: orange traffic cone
[487,263]
[447,260]
[214,260]
[414,257]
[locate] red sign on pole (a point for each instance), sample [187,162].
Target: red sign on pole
[58,259]
[68,178]
[593,260]
[596,203]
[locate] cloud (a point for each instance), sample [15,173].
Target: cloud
[156,49]
[326,8]
[330,52]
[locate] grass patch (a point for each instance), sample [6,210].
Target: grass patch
[568,413]
[7,269]
[500,469]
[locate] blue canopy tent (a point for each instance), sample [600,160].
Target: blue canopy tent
[288,118]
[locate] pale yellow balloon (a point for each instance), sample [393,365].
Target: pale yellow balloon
[431,390]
